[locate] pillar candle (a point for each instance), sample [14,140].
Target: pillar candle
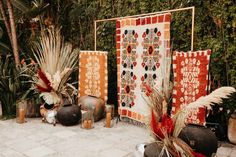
[89,124]
[21,115]
[108,120]
[85,124]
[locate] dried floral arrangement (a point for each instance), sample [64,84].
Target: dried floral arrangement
[56,60]
[166,129]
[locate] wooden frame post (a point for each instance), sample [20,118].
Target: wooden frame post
[160,12]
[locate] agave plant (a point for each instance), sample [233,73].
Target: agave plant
[56,61]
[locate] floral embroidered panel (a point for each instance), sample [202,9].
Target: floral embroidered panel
[93,74]
[142,45]
[190,82]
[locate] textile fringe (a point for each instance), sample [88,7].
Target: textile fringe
[133,122]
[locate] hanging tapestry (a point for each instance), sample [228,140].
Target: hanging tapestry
[93,74]
[190,82]
[142,46]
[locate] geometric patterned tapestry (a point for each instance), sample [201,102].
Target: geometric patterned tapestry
[93,74]
[142,45]
[190,82]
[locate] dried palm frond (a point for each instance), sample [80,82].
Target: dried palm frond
[52,54]
[216,97]
[183,148]
[154,100]
[56,60]
[51,97]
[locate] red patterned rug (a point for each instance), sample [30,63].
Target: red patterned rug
[142,46]
[190,82]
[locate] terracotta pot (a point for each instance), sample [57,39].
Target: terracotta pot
[153,150]
[232,128]
[93,103]
[200,139]
[69,115]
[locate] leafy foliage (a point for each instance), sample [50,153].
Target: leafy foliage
[13,85]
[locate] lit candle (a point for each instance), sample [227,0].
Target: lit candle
[89,124]
[108,120]
[21,115]
[85,124]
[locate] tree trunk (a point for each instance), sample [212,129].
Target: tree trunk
[5,21]
[13,33]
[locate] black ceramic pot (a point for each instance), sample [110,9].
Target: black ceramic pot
[153,150]
[69,115]
[200,139]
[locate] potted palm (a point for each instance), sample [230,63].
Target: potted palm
[56,60]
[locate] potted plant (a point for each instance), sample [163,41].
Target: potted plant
[56,60]
[13,84]
[167,130]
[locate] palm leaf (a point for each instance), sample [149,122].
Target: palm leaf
[216,97]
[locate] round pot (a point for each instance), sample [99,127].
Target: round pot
[200,139]
[232,128]
[93,103]
[153,150]
[69,115]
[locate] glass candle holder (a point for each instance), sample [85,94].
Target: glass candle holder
[87,119]
[109,110]
[21,111]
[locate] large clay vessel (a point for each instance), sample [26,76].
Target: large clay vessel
[93,103]
[200,139]
[232,128]
[69,115]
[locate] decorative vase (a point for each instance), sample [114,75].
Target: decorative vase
[69,115]
[200,139]
[232,128]
[153,150]
[93,103]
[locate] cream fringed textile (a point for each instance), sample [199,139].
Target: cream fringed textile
[143,44]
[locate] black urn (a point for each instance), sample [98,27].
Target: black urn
[69,114]
[200,139]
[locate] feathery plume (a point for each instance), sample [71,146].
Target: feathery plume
[216,97]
